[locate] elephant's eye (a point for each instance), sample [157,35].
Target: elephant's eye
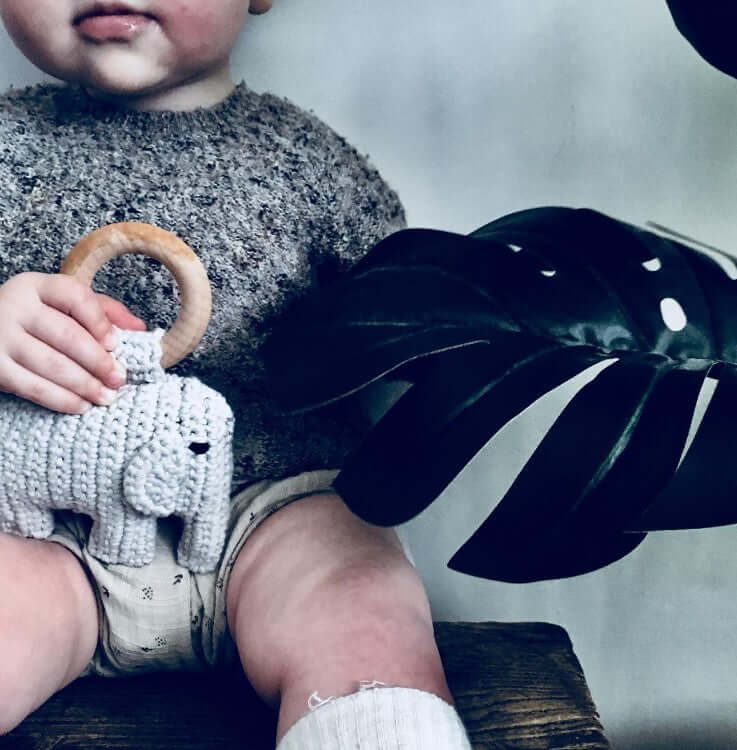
[199,448]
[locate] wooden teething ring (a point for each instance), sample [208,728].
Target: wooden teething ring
[95,249]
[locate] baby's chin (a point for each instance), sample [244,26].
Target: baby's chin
[123,79]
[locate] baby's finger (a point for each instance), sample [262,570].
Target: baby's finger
[118,314]
[28,385]
[67,295]
[67,338]
[48,363]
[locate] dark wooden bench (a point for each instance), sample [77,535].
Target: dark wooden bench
[516,685]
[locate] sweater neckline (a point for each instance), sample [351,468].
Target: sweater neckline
[72,101]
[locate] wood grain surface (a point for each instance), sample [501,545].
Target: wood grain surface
[516,685]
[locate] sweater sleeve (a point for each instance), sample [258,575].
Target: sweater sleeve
[358,209]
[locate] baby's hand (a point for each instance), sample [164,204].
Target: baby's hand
[55,340]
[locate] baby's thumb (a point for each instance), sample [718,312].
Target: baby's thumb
[119,315]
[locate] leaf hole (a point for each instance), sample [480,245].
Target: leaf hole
[672,313]
[514,248]
[653,264]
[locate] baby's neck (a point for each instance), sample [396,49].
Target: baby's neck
[203,91]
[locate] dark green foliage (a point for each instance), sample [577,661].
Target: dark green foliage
[482,325]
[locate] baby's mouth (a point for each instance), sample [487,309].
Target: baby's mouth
[106,23]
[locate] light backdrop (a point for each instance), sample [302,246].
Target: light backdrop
[477,108]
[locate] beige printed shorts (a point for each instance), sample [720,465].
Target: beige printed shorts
[162,616]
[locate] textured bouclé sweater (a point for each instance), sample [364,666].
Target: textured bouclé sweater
[271,199]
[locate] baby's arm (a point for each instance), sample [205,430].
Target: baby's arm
[358,208]
[55,340]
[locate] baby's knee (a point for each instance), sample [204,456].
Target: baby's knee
[372,589]
[18,694]
[371,611]
[356,586]
[13,709]
[370,605]
[46,630]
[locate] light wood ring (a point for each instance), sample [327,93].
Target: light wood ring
[95,249]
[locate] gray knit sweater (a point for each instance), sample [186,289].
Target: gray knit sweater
[271,199]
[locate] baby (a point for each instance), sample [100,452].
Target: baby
[326,613]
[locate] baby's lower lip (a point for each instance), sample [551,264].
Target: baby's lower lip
[114,27]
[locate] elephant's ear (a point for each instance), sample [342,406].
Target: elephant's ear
[155,475]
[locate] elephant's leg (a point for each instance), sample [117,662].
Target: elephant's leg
[139,538]
[124,538]
[202,540]
[23,518]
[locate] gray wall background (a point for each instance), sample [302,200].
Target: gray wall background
[476,108]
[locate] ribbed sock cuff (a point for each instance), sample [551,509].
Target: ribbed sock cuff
[379,719]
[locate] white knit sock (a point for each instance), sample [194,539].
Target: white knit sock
[385,718]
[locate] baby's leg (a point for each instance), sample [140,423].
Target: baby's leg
[319,600]
[48,624]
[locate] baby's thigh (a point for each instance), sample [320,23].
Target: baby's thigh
[48,624]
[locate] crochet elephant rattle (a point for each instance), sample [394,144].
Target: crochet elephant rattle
[164,447]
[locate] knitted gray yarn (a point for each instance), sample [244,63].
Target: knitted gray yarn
[164,447]
[272,201]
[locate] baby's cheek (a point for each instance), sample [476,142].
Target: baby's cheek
[42,32]
[204,29]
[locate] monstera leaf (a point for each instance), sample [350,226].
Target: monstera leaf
[483,325]
[710,27]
